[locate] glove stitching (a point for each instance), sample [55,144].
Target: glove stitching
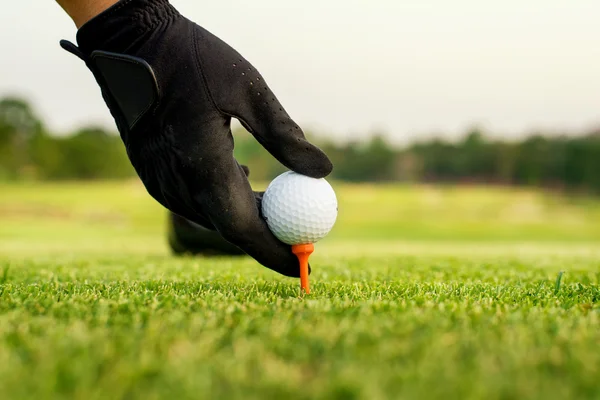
[207,88]
[201,72]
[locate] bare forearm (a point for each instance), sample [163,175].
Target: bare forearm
[82,11]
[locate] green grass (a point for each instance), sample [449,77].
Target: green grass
[495,295]
[82,212]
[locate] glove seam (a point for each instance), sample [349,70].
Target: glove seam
[207,88]
[201,72]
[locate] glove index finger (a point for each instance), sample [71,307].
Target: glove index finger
[240,91]
[283,138]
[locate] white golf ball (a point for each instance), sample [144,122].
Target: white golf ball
[299,209]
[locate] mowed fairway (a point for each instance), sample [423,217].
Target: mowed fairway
[419,292]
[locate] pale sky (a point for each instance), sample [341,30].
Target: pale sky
[347,67]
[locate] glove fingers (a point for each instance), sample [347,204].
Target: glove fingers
[248,98]
[228,202]
[264,117]
[211,189]
[185,236]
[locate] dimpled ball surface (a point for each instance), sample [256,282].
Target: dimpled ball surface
[299,209]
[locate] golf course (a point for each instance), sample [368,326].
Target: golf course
[440,292]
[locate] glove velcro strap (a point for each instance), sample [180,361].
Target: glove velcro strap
[129,81]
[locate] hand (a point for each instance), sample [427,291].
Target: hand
[172,88]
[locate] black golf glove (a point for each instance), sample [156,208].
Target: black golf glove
[172,88]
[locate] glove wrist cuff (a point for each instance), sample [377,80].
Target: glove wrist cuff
[123,24]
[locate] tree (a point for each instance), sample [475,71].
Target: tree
[18,127]
[93,153]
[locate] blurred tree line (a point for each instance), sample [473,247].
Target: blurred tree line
[29,151]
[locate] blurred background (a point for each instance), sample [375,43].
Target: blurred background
[451,122]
